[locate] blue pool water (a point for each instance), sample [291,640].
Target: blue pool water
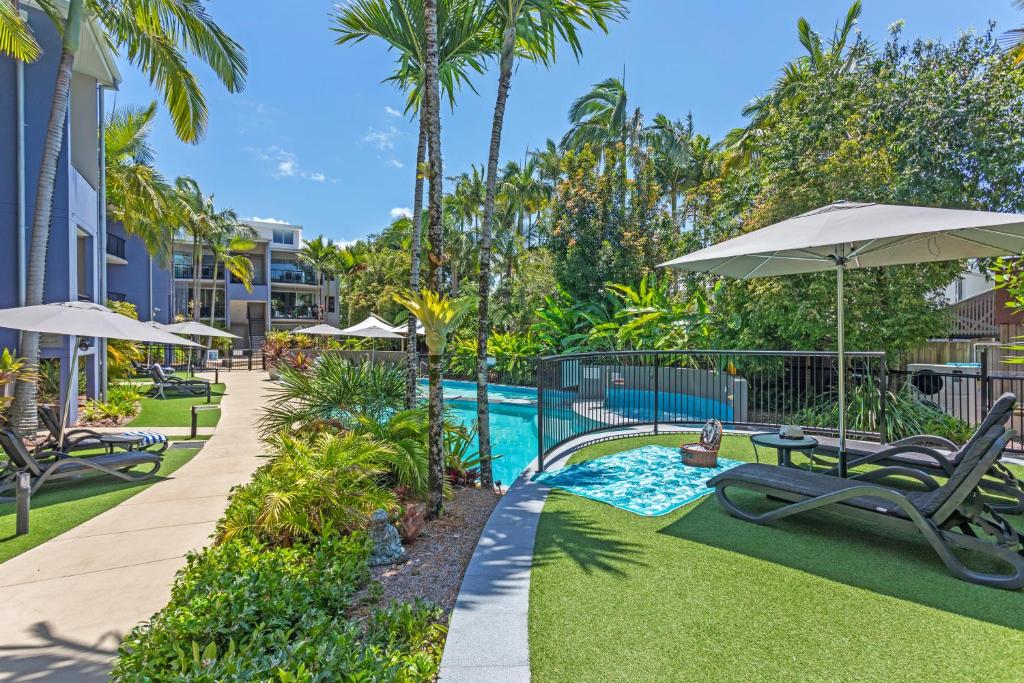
[638,404]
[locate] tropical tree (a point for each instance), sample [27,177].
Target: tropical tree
[137,195]
[529,29]
[440,317]
[347,262]
[601,119]
[199,219]
[152,35]
[16,39]
[462,44]
[321,255]
[1014,38]
[670,142]
[228,245]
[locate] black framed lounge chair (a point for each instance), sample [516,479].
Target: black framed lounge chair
[164,382]
[53,465]
[141,369]
[950,516]
[80,439]
[924,457]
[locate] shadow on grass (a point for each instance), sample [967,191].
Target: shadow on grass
[82,489]
[590,546]
[852,552]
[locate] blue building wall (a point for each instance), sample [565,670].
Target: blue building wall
[74,203]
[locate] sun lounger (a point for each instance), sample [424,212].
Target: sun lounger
[79,439]
[925,457]
[163,382]
[52,465]
[950,516]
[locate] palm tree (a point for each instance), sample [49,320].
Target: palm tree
[742,143]
[1014,39]
[16,39]
[601,118]
[200,220]
[440,316]
[524,192]
[670,142]
[530,29]
[549,165]
[347,263]
[227,244]
[320,255]
[151,35]
[462,46]
[137,195]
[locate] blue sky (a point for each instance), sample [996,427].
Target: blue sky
[316,139]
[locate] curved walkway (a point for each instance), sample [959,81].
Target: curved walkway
[488,637]
[67,602]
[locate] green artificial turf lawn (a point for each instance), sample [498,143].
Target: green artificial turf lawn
[63,505]
[696,595]
[176,410]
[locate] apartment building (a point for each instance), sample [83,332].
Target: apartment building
[284,293]
[78,243]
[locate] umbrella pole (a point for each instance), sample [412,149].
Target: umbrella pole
[841,348]
[72,388]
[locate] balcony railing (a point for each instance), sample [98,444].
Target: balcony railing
[296,313]
[183,271]
[115,245]
[292,276]
[117,296]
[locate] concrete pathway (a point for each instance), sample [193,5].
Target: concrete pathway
[488,635]
[67,602]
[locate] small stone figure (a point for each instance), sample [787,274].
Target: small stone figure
[387,546]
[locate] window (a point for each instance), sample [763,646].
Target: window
[284,236]
[330,304]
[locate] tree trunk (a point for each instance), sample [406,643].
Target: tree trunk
[24,411]
[483,322]
[412,359]
[432,114]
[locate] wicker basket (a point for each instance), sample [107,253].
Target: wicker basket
[705,452]
[695,455]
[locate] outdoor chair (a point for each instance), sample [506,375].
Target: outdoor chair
[925,457]
[163,382]
[141,369]
[53,465]
[950,516]
[80,439]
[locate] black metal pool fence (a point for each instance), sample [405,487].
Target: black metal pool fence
[593,393]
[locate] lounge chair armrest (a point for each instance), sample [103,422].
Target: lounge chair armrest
[927,440]
[884,473]
[940,460]
[57,455]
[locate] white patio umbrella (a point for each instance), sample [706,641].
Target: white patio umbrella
[859,235]
[193,328]
[372,328]
[323,329]
[83,319]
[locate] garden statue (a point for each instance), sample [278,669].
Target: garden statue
[387,547]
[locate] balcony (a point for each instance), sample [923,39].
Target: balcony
[117,296]
[292,275]
[116,249]
[183,271]
[297,313]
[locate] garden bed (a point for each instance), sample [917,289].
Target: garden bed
[438,557]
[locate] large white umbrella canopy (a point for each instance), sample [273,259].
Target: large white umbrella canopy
[194,328]
[859,235]
[404,330]
[85,319]
[373,327]
[321,329]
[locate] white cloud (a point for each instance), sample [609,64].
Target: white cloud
[382,139]
[285,164]
[396,163]
[259,219]
[401,211]
[392,112]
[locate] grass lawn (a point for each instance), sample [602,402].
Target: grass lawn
[696,595]
[63,505]
[176,410]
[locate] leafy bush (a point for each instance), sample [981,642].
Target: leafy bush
[121,352]
[515,357]
[406,432]
[311,488]
[904,414]
[333,392]
[243,611]
[122,402]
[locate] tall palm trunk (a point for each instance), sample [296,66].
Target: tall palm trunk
[412,356]
[483,323]
[23,410]
[432,113]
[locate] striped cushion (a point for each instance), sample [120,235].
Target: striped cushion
[147,438]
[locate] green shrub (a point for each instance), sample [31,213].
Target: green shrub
[332,392]
[122,402]
[244,611]
[310,488]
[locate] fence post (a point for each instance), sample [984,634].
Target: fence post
[986,390]
[883,387]
[656,388]
[195,423]
[540,416]
[23,495]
